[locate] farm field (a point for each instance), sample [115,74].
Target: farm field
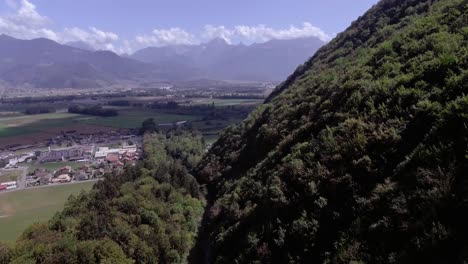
[29,129]
[20,129]
[28,124]
[54,166]
[134,119]
[9,175]
[20,209]
[226,102]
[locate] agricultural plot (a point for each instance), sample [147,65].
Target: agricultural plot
[28,124]
[30,129]
[134,119]
[55,166]
[226,102]
[20,129]
[20,209]
[9,175]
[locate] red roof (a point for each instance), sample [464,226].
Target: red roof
[113,158]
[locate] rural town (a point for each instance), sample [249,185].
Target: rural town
[89,157]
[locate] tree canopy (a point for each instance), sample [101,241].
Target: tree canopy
[148,214]
[360,156]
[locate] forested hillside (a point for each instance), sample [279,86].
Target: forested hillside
[148,214]
[360,156]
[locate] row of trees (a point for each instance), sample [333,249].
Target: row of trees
[96,110]
[35,110]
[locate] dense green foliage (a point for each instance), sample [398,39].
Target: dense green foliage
[170,158]
[148,214]
[361,156]
[39,109]
[148,126]
[95,110]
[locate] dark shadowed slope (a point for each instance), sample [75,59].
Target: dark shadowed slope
[360,156]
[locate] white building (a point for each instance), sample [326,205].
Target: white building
[102,152]
[19,159]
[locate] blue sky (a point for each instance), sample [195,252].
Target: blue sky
[126,25]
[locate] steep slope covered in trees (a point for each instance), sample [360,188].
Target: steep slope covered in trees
[361,155]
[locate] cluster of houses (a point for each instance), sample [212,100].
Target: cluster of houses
[71,154]
[14,159]
[93,161]
[66,174]
[105,160]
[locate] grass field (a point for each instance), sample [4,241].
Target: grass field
[6,176]
[17,128]
[20,209]
[226,102]
[54,166]
[29,129]
[28,124]
[133,119]
[19,125]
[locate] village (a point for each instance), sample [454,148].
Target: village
[70,157]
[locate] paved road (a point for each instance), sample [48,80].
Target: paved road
[22,178]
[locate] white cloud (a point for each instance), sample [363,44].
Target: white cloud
[164,37]
[212,32]
[262,33]
[98,39]
[28,15]
[241,33]
[27,23]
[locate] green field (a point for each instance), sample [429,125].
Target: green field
[226,102]
[30,124]
[6,176]
[20,209]
[54,166]
[17,128]
[20,125]
[133,119]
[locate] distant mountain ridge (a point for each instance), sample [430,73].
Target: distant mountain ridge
[43,63]
[80,45]
[273,60]
[47,64]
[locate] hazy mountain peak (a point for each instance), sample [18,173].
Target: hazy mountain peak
[217,59]
[80,45]
[47,64]
[217,42]
[6,37]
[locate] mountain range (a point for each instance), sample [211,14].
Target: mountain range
[273,60]
[47,64]
[44,63]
